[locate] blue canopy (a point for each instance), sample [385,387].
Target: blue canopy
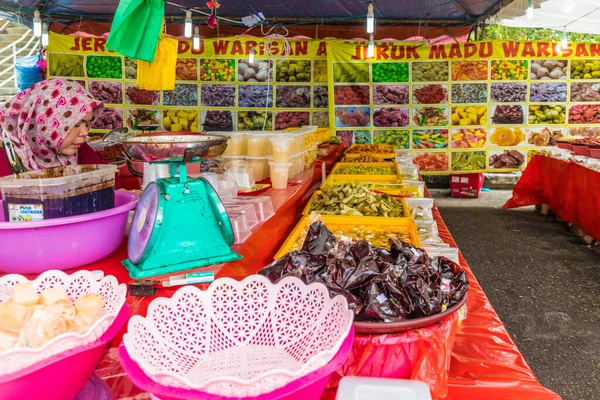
[438,12]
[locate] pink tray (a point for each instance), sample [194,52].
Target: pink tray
[63,243]
[309,387]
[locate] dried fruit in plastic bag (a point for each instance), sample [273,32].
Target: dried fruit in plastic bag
[379,284]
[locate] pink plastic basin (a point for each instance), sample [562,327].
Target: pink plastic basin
[62,376]
[309,387]
[63,243]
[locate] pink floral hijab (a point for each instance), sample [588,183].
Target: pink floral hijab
[38,119]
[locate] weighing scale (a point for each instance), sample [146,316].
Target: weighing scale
[180,222]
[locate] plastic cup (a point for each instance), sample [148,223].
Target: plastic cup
[279,174]
[282,148]
[239,172]
[256,144]
[235,144]
[259,165]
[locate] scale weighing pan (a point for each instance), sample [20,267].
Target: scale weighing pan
[174,148]
[180,222]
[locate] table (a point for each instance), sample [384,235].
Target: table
[485,362]
[571,190]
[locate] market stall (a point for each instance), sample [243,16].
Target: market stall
[259,208]
[478,350]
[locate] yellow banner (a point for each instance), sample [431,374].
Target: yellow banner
[236,47]
[402,51]
[463,107]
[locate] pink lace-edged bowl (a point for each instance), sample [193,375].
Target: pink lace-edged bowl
[64,243]
[249,339]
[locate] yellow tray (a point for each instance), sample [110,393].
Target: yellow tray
[333,180]
[388,148]
[406,211]
[391,225]
[381,178]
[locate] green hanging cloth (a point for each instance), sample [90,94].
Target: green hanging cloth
[136,28]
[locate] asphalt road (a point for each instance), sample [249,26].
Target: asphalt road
[544,283]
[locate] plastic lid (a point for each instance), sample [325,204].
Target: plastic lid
[70,174]
[266,158]
[281,137]
[236,166]
[228,133]
[241,158]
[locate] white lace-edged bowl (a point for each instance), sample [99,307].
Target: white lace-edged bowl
[14,360]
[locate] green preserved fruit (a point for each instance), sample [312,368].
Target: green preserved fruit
[356,200]
[397,138]
[390,72]
[104,67]
[66,65]
[365,170]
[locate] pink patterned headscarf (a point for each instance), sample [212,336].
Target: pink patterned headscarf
[38,119]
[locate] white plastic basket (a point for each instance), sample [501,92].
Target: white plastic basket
[75,285]
[239,338]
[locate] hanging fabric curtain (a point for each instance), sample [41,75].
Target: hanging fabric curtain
[136,28]
[159,74]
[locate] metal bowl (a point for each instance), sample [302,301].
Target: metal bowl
[178,148]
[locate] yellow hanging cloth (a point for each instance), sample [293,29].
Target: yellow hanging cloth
[160,73]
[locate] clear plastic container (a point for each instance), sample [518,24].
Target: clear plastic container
[227,190]
[295,161]
[241,230]
[362,388]
[417,186]
[428,232]
[301,162]
[259,166]
[248,210]
[211,177]
[421,208]
[236,145]
[262,204]
[409,171]
[280,172]
[282,148]
[58,192]
[256,144]
[451,253]
[238,171]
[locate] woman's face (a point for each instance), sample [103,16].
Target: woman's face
[76,136]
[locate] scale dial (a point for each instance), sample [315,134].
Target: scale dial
[144,221]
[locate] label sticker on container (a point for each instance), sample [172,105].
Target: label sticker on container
[446,285]
[381,298]
[25,212]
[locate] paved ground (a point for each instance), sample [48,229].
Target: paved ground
[544,283]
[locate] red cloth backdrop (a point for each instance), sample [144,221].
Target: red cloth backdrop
[570,189]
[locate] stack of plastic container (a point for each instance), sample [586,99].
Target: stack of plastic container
[267,152]
[281,147]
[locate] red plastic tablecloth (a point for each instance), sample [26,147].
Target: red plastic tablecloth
[570,189]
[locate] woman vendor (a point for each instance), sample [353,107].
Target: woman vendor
[48,125]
